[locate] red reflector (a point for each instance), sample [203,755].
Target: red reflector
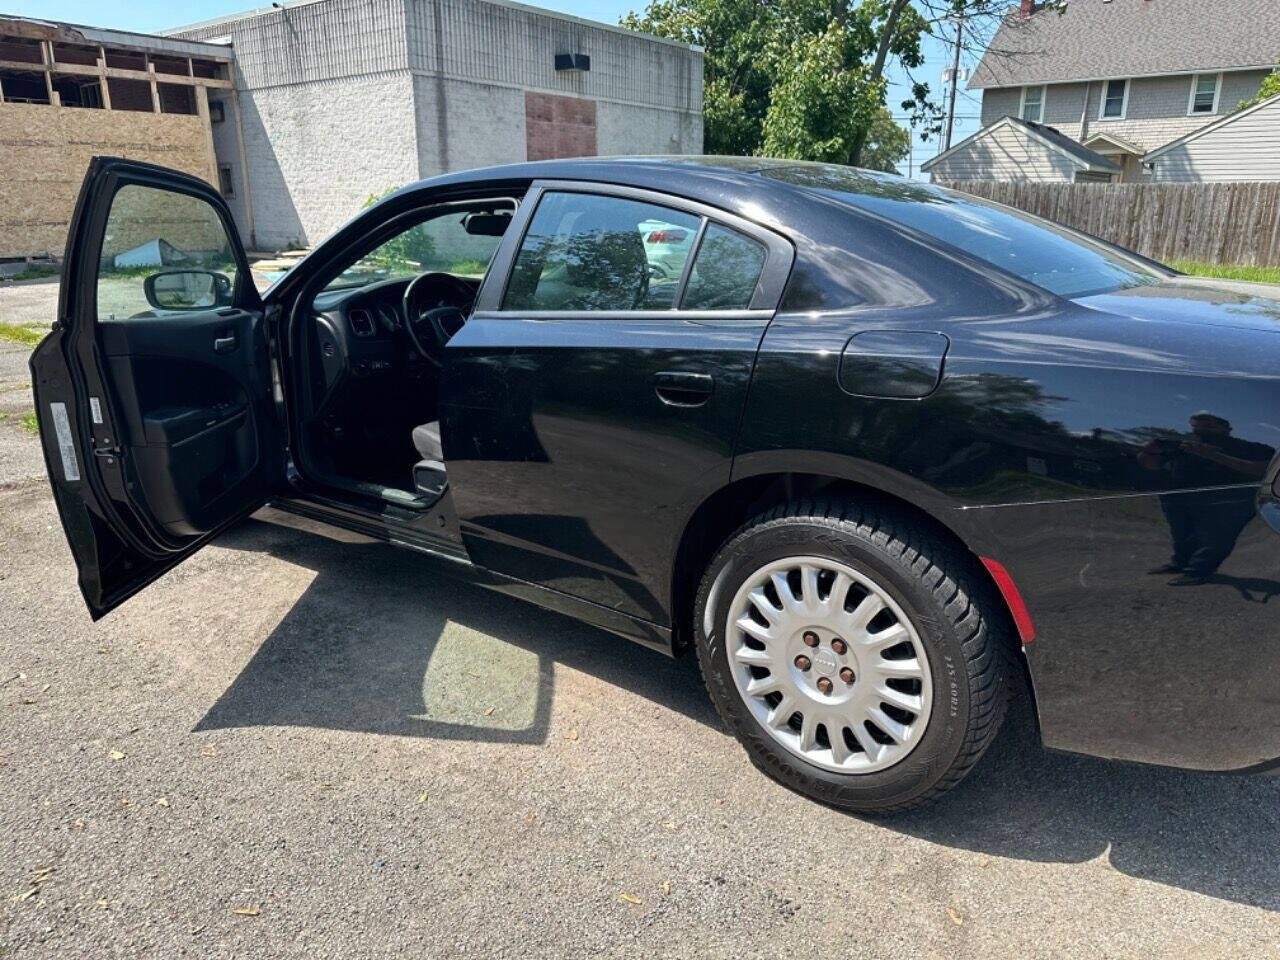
[1008,590]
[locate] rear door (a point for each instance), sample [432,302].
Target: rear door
[153,392]
[592,399]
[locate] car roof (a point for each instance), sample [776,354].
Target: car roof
[737,184]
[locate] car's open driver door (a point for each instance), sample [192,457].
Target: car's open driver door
[153,392]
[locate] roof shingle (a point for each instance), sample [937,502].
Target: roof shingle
[1101,39]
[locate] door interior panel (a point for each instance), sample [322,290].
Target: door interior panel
[188,421]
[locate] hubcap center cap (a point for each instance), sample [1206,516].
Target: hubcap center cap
[824,661]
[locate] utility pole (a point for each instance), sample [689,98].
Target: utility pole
[955,81]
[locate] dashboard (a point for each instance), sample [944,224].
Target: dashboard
[362,332]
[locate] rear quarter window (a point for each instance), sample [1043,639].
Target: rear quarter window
[725,271]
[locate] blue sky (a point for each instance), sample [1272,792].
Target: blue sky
[152,15]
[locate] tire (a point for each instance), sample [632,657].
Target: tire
[956,651]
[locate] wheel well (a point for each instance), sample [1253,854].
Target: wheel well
[730,507]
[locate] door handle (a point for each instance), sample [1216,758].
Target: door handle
[683,389]
[224,344]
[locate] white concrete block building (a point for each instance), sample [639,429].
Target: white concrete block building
[336,100]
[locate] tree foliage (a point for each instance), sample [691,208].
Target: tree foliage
[1270,87]
[805,79]
[886,144]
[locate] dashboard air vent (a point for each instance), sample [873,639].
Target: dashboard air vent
[361,323]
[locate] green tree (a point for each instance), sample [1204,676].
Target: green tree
[887,144]
[1270,87]
[805,78]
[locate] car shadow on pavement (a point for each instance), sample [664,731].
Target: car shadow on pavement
[382,641]
[385,641]
[1215,834]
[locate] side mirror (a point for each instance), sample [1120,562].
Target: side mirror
[187,290]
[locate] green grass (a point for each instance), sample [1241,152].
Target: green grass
[21,334]
[29,423]
[32,273]
[1226,272]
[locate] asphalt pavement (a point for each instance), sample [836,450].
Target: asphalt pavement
[297,745]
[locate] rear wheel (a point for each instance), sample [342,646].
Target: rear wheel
[849,650]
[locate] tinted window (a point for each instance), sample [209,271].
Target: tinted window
[725,271]
[177,239]
[1055,258]
[1035,250]
[589,252]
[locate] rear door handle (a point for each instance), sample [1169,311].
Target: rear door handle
[224,344]
[683,389]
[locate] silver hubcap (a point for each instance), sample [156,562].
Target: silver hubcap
[829,664]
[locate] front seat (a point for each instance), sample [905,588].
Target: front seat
[429,479]
[426,440]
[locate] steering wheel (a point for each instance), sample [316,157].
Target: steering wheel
[435,308]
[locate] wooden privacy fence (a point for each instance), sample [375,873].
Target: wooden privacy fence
[1229,223]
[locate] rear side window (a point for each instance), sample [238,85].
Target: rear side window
[725,271]
[590,252]
[1036,250]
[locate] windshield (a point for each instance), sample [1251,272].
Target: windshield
[441,243]
[1053,257]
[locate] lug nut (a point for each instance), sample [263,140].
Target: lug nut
[846,675]
[839,646]
[810,638]
[824,684]
[802,662]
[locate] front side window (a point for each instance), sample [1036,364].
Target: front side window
[725,271]
[589,252]
[1033,104]
[163,252]
[456,240]
[1204,93]
[1114,98]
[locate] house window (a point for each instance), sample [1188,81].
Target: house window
[1032,104]
[1204,93]
[1115,98]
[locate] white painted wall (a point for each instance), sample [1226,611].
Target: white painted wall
[344,98]
[315,152]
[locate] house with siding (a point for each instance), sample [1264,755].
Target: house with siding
[1240,146]
[1122,79]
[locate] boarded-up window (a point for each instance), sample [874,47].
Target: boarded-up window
[559,126]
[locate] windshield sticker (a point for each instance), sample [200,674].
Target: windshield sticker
[96,409]
[65,447]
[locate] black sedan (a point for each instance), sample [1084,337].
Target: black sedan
[879,453]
